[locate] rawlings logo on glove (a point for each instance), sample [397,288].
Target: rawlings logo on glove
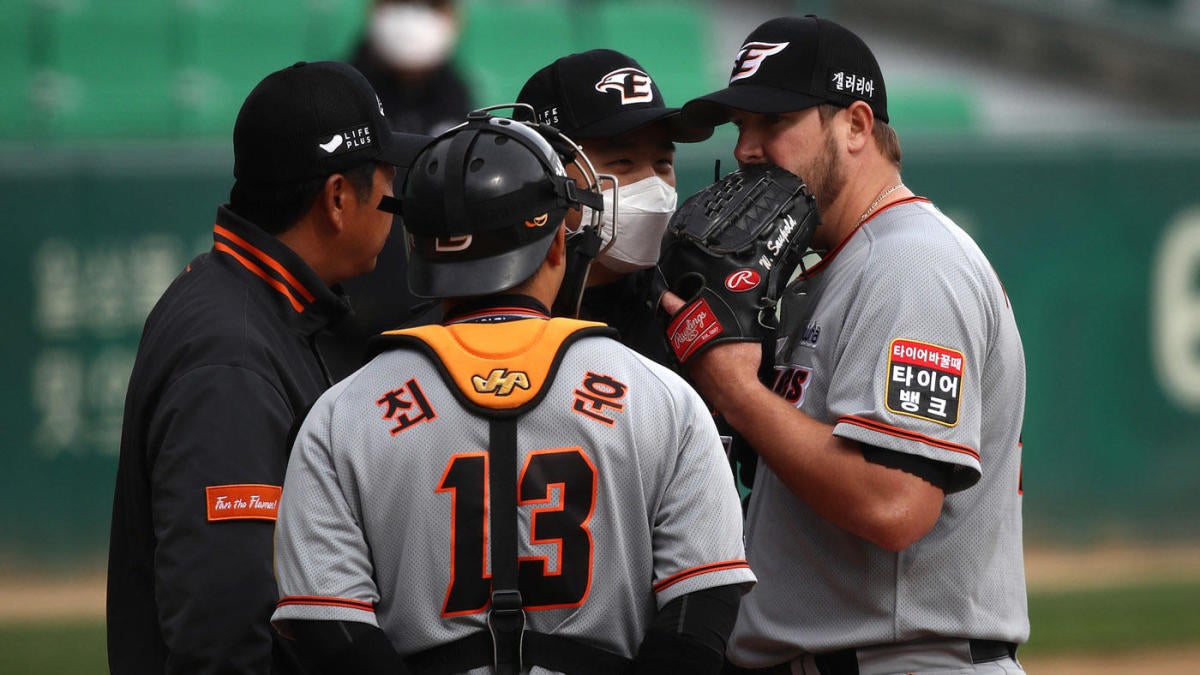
[692,328]
[729,252]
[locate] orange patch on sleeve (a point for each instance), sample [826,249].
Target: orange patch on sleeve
[243,502]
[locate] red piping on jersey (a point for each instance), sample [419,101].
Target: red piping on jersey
[253,267]
[1021,471]
[909,435]
[828,257]
[327,602]
[696,571]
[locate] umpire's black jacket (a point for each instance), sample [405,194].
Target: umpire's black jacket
[226,365]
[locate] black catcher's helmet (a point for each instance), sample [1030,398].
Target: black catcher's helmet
[482,204]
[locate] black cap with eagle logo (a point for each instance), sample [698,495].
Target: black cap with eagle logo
[792,63]
[600,94]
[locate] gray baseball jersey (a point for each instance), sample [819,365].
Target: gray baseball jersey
[625,500]
[905,341]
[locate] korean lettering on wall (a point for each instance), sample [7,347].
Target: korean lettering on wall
[89,303]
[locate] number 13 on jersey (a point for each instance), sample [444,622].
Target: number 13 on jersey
[559,488]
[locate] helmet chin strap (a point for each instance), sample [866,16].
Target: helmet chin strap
[582,249]
[584,244]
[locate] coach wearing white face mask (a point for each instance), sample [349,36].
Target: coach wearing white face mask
[606,102]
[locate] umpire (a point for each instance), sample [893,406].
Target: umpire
[227,364]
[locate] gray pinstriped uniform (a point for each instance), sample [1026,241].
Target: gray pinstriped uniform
[905,341]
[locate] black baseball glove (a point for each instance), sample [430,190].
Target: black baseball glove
[729,252]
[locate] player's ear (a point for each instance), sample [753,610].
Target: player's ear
[557,255]
[334,199]
[861,125]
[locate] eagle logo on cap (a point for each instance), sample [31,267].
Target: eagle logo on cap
[751,58]
[634,85]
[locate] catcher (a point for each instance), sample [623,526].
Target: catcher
[506,492]
[885,519]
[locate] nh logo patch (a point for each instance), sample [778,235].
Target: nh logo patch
[634,85]
[500,382]
[751,58]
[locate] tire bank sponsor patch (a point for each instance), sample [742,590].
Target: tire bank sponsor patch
[924,381]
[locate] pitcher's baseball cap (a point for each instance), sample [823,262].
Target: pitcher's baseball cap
[792,63]
[313,119]
[602,93]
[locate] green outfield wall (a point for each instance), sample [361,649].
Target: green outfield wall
[1097,241]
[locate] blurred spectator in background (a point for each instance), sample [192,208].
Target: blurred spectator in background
[405,52]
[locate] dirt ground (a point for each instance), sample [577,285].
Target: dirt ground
[1184,661]
[31,599]
[1109,565]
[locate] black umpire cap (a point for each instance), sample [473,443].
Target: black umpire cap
[311,120]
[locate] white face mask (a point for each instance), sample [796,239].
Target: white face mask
[411,36]
[645,208]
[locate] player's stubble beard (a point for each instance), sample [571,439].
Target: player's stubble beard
[826,176]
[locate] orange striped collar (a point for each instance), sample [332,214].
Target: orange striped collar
[264,266]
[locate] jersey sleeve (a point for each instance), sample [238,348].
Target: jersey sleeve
[321,554]
[908,376]
[220,433]
[697,536]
